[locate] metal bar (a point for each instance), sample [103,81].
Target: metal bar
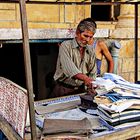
[27,63]
[81,3]
[112,12]
[32,41]
[136,42]
[70,3]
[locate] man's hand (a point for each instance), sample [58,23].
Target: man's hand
[91,89]
[87,81]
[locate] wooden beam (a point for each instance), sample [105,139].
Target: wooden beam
[27,63]
[9,132]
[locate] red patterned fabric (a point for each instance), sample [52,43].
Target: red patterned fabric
[13,104]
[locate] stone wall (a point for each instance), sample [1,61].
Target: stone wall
[59,17]
[43,15]
[126,64]
[126,60]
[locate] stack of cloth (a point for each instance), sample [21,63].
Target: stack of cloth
[119,106]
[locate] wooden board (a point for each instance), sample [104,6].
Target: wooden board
[124,134]
[8,130]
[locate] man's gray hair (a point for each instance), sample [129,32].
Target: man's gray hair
[86,24]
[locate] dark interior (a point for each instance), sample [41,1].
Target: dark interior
[43,61]
[103,12]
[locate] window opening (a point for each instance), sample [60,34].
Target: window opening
[105,12]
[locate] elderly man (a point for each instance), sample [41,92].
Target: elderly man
[76,64]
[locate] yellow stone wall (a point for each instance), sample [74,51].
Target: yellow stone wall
[126,64]
[67,16]
[126,60]
[44,15]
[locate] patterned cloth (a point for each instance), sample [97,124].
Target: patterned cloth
[13,104]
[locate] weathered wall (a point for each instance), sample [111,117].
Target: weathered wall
[67,17]
[126,60]
[44,16]
[126,64]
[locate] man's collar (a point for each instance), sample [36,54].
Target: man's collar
[75,44]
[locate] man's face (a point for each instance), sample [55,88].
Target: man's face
[84,38]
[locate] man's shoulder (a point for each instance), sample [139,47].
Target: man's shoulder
[71,43]
[68,41]
[102,44]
